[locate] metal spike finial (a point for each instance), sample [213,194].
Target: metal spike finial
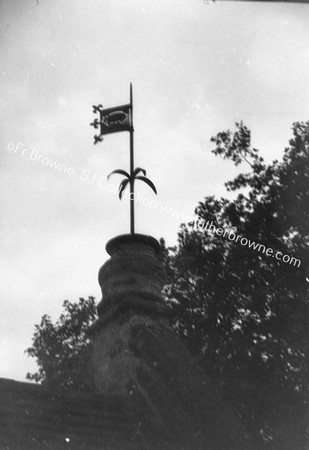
[116,119]
[131,179]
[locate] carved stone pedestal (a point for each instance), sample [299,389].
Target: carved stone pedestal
[138,356]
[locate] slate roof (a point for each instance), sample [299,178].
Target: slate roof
[151,394]
[33,417]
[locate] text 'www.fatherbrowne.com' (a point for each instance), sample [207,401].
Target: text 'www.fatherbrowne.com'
[202,224]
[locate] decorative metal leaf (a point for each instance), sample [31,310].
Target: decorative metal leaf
[147,181]
[138,170]
[95,123]
[120,172]
[96,108]
[122,187]
[98,139]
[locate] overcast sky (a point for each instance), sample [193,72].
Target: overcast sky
[196,68]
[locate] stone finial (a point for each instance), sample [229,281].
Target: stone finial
[132,279]
[138,357]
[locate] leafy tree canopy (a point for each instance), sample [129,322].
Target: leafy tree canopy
[62,349]
[244,314]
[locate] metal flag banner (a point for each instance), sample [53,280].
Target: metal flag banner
[112,120]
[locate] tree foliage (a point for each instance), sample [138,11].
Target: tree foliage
[62,349]
[244,314]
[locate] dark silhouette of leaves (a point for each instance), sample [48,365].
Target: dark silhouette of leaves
[122,187]
[132,179]
[245,315]
[62,349]
[120,172]
[138,170]
[147,181]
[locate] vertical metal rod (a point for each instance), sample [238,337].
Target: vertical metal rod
[131,166]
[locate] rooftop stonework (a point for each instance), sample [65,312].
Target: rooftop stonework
[138,357]
[132,279]
[149,393]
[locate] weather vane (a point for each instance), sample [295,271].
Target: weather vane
[112,120]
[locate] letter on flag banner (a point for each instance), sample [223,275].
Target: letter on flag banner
[112,120]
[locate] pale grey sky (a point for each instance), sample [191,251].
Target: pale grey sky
[196,68]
